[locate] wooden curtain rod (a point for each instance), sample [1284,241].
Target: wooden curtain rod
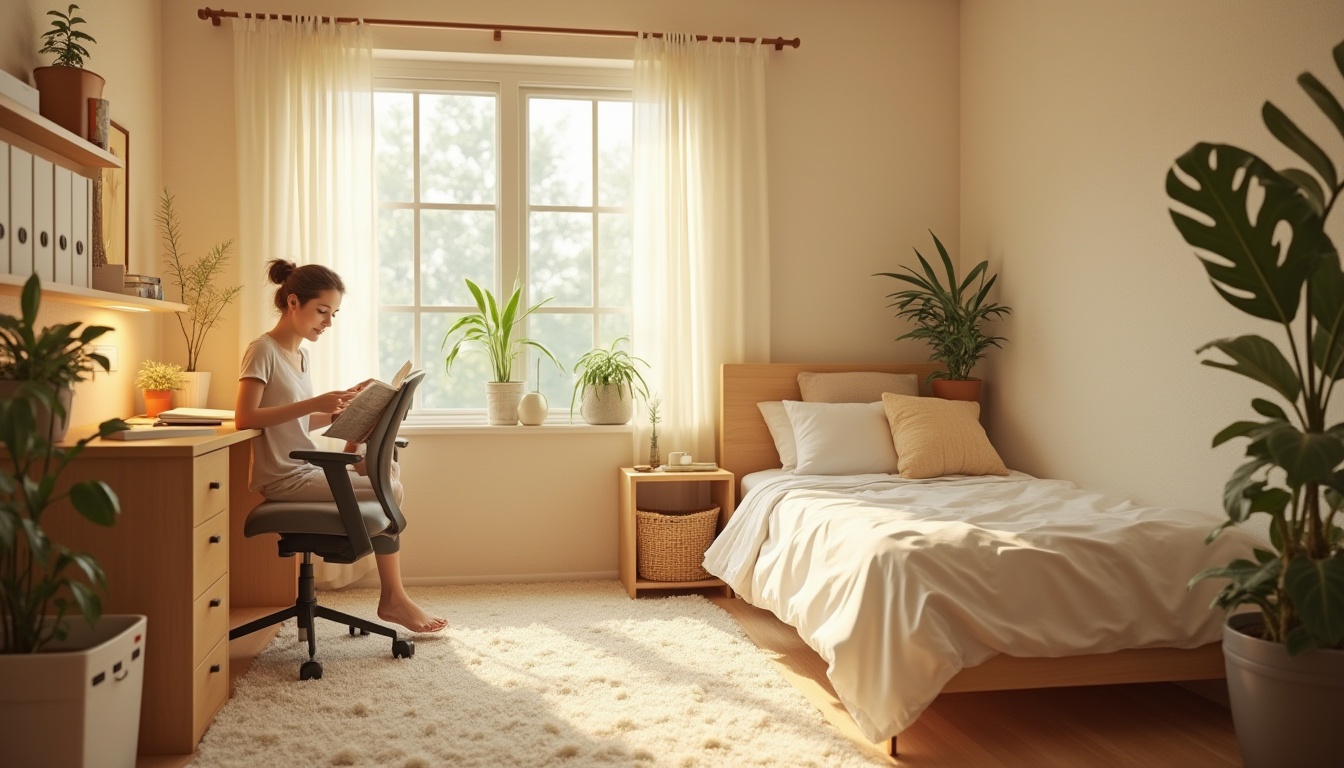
[216,15]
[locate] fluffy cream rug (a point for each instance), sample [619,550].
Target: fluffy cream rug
[569,674]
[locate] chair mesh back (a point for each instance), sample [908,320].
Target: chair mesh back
[382,448]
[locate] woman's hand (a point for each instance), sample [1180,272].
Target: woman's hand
[333,402]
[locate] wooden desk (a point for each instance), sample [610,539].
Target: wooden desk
[174,556]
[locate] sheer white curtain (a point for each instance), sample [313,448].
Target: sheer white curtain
[701,236]
[303,94]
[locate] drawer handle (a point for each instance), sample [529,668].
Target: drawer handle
[214,485]
[216,539]
[214,668]
[215,602]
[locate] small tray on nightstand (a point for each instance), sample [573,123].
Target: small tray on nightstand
[699,466]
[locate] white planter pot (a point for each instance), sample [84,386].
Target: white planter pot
[78,702]
[607,404]
[195,390]
[1286,708]
[501,402]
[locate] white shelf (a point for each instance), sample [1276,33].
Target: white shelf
[30,131]
[12,285]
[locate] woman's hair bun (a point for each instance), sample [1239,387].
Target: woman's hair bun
[279,270]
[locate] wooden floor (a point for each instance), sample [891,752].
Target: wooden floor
[1135,726]
[1153,724]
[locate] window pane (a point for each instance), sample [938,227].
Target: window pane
[393,146]
[457,148]
[615,127]
[396,342]
[464,386]
[568,337]
[396,257]
[455,245]
[612,327]
[561,258]
[560,152]
[615,253]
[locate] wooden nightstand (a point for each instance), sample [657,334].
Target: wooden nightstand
[721,491]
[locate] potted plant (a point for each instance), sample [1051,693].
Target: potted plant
[198,287]
[158,381]
[65,87]
[607,380]
[46,363]
[46,659]
[1273,260]
[948,318]
[496,331]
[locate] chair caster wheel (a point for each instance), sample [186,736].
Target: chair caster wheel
[358,631]
[403,649]
[311,670]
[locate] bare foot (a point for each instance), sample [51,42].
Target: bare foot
[405,612]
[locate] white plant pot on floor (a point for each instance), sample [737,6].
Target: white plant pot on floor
[77,703]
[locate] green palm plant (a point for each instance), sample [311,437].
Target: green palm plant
[948,317]
[41,580]
[1276,262]
[495,331]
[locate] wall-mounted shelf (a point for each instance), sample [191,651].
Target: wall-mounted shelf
[12,285]
[30,131]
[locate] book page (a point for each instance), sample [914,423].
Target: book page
[357,421]
[401,375]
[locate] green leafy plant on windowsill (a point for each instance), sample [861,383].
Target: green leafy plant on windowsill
[495,331]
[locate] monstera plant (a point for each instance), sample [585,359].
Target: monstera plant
[1262,238]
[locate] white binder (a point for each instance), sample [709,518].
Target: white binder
[81,260]
[63,247]
[21,211]
[6,231]
[44,219]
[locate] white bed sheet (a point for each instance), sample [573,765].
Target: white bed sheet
[899,584]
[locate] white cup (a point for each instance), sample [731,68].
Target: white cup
[678,458]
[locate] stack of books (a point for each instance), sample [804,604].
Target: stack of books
[201,417]
[175,422]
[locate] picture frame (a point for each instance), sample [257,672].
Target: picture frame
[111,212]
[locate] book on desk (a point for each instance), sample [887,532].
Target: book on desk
[159,432]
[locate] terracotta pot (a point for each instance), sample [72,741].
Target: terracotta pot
[64,96]
[957,389]
[157,401]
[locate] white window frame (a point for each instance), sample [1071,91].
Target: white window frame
[512,80]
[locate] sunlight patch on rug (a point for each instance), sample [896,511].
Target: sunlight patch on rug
[569,674]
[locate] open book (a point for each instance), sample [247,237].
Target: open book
[356,422]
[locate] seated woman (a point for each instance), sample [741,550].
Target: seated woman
[275,395]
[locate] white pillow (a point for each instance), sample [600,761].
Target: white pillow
[777,419]
[841,438]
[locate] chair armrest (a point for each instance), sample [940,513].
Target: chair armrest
[320,458]
[402,442]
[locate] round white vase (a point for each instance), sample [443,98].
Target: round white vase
[532,409]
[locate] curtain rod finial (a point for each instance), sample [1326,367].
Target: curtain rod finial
[208,13]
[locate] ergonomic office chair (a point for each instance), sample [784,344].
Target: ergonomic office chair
[339,531]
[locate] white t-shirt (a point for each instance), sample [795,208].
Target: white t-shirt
[273,471]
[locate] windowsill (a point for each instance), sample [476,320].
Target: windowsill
[515,431]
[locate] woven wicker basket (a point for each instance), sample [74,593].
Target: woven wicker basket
[671,546]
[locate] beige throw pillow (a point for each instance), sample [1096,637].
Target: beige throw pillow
[854,387]
[936,437]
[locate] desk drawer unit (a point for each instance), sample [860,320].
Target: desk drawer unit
[210,619]
[210,687]
[210,485]
[210,552]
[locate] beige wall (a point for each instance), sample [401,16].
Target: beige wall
[1072,112]
[863,158]
[127,55]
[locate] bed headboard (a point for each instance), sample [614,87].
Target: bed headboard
[744,443]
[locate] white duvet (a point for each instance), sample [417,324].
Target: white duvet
[899,584]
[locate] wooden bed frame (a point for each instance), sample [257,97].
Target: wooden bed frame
[744,446]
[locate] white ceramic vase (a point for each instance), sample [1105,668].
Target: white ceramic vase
[532,409]
[195,390]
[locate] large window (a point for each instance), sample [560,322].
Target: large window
[500,176]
